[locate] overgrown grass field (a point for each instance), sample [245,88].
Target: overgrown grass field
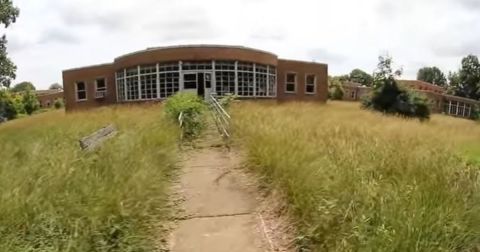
[55,197]
[355,180]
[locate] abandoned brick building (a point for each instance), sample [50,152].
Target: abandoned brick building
[157,73]
[440,101]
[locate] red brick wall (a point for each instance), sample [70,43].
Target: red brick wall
[47,100]
[301,69]
[89,75]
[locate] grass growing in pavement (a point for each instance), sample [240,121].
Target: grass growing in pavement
[359,181]
[54,197]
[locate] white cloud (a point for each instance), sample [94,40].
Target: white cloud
[52,35]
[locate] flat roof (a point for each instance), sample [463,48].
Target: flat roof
[89,66]
[304,61]
[194,46]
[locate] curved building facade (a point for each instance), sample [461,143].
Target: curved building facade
[157,73]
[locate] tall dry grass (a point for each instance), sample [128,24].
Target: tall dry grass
[359,181]
[54,197]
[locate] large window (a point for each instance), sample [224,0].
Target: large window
[291,83]
[272,81]
[148,82]
[158,81]
[81,91]
[132,84]
[310,84]
[190,81]
[246,79]
[120,76]
[261,83]
[225,77]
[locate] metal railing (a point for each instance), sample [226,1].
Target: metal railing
[180,124]
[222,118]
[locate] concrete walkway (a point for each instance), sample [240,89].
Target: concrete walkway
[219,205]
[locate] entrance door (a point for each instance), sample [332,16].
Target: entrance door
[201,84]
[208,85]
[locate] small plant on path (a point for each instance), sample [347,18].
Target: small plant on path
[191,108]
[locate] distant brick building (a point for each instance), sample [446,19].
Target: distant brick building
[47,98]
[353,91]
[157,73]
[440,101]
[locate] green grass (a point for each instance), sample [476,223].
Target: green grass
[54,197]
[355,180]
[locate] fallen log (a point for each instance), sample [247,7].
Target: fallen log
[94,140]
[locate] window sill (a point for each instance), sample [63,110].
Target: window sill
[84,100]
[290,92]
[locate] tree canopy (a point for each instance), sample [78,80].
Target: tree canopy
[8,15]
[55,86]
[360,76]
[432,75]
[23,86]
[466,82]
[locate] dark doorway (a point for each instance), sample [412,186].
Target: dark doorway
[201,84]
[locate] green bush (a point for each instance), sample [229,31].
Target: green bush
[30,102]
[475,115]
[390,99]
[7,105]
[337,93]
[58,103]
[192,109]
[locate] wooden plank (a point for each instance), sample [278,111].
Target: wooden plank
[92,141]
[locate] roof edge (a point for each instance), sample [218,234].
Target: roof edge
[303,61]
[89,66]
[148,49]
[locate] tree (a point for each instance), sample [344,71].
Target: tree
[8,15]
[389,98]
[469,77]
[23,86]
[55,86]
[453,83]
[432,75]
[359,76]
[30,102]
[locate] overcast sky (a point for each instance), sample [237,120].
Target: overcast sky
[52,35]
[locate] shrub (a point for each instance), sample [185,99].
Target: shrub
[337,93]
[30,102]
[58,103]
[390,99]
[475,112]
[7,105]
[192,108]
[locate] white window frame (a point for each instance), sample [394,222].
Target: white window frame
[105,81]
[76,91]
[295,83]
[314,83]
